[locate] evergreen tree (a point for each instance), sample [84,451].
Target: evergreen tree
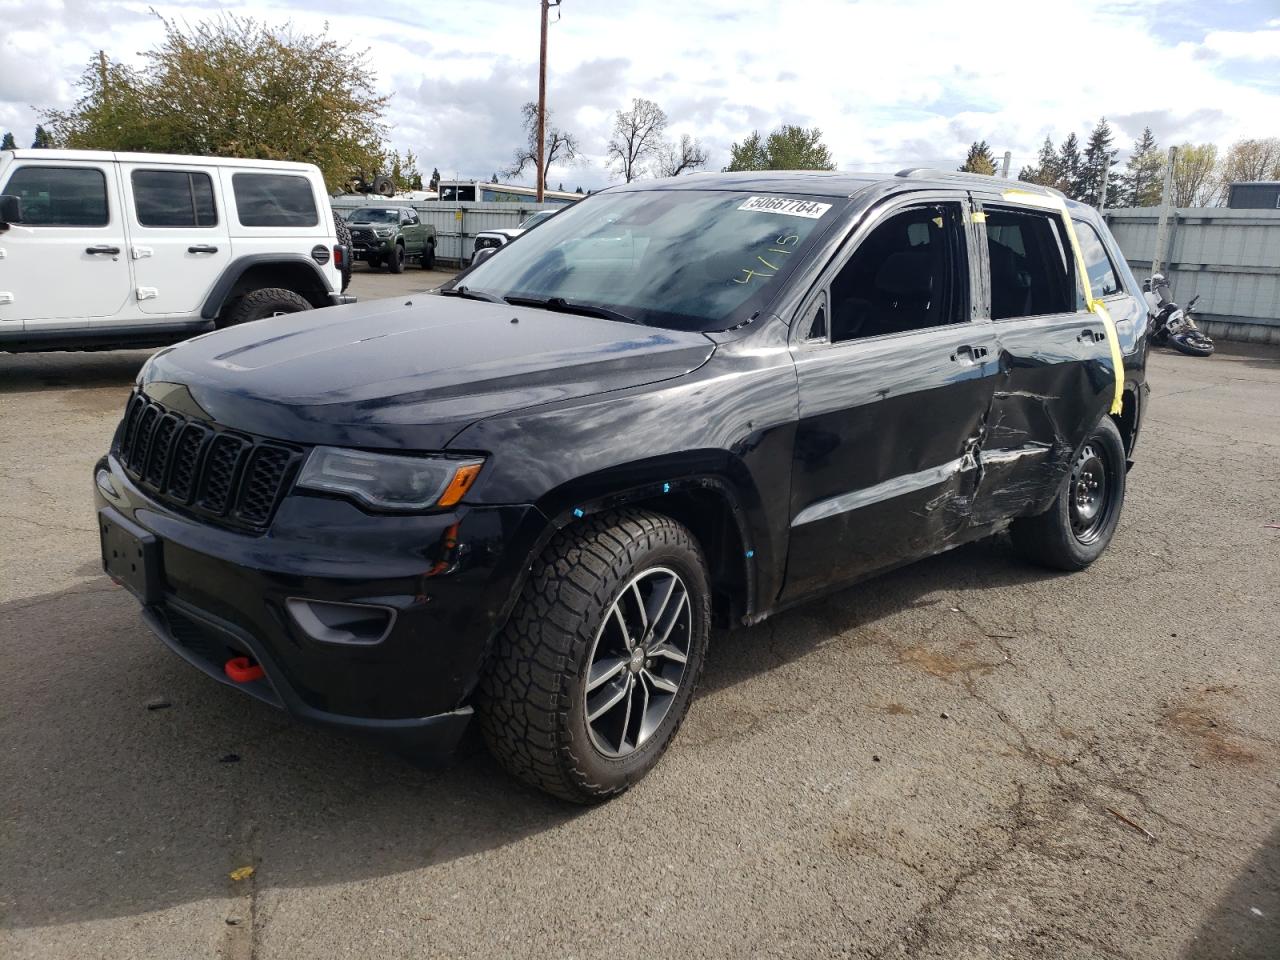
[579,190]
[1141,182]
[1070,167]
[1045,172]
[435,179]
[1098,159]
[979,160]
[43,139]
[787,148]
[8,143]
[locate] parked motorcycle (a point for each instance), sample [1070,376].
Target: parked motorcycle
[1171,325]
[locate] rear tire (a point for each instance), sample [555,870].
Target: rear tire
[1075,530]
[1192,347]
[563,705]
[260,304]
[395,259]
[429,257]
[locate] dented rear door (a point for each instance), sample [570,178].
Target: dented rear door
[1054,379]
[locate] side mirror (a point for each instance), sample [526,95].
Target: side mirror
[10,209]
[484,253]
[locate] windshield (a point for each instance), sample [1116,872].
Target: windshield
[682,259]
[537,218]
[375,215]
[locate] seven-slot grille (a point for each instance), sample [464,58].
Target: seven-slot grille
[229,477]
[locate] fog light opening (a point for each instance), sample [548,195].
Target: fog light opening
[324,621]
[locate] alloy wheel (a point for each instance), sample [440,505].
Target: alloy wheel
[637,662]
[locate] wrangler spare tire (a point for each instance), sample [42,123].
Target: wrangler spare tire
[343,232]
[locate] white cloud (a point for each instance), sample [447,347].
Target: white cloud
[892,83]
[1236,44]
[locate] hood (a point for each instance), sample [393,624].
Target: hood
[408,375]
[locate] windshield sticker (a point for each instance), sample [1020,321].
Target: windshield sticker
[810,209]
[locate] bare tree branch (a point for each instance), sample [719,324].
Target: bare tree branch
[561,145]
[675,159]
[637,137]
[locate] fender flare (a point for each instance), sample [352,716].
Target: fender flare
[237,268]
[560,511]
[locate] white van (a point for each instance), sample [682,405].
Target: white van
[106,250]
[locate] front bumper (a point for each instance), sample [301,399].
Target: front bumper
[450,579]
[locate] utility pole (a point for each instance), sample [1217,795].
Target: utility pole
[546,6]
[1162,228]
[1004,167]
[1102,194]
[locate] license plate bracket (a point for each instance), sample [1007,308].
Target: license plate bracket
[131,556]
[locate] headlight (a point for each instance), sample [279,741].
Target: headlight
[386,482]
[383,233]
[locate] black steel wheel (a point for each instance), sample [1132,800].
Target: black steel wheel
[1083,518]
[596,667]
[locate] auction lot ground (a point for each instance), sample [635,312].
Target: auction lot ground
[923,766]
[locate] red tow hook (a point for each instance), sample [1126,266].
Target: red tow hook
[243,670]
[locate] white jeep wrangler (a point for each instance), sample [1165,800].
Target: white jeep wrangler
[107,250]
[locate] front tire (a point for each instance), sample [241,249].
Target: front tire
[260,304]
[596,667]
[395,259]
[1075,531]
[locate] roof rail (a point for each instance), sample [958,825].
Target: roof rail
[918,172]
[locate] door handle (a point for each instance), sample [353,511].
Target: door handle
[103,251]
[202,248]
[1089,335]
[969,354]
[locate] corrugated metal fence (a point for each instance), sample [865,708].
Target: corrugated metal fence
[1230,257]
[456,223]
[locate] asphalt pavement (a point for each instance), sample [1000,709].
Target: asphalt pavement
[968,757]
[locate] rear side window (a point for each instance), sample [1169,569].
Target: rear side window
[61,196]
[174,198]
[274,200]
[1030,270]
[1102,272]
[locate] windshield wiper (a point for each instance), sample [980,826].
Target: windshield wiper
[469,294]
[564,306]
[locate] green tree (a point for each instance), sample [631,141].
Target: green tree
[788,148]
[1045,170]
[1247,160]
[1141,182]
[579,190]
[234,87]
[1098,159]
[43,140]
[435,179]
[1070,167]
[979,160]
[1194,181]
[8,143]
[403,170]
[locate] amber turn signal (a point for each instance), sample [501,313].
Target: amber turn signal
[459,485]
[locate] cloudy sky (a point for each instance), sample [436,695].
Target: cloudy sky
[892,83]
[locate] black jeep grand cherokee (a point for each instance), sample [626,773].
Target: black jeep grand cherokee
[676,402]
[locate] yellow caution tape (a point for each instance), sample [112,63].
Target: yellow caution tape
[1050,202]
